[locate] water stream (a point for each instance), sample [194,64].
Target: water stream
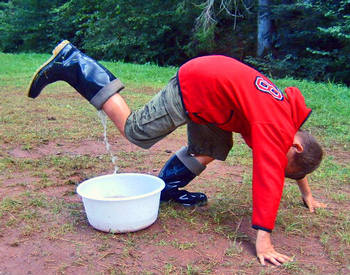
[103,117]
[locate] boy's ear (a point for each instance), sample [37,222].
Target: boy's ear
[298,147]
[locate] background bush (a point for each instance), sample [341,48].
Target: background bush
[309,38]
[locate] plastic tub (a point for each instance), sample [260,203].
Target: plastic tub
[119,203]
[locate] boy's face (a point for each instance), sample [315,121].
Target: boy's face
[290,170]
[296,148]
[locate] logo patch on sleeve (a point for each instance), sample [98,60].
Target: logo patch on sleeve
[267,87]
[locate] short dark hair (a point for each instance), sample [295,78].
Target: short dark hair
[309,159]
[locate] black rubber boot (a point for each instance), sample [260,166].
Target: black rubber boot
[176,175]
[87,76]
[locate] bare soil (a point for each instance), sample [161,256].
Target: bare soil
[172,245]
[44,229]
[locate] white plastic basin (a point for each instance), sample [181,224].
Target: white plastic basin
[119,203]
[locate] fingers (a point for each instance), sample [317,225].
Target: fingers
[274,258]
[283,258]
[320,204]
[266,251]
[312,204]
[273,261]
[315,204]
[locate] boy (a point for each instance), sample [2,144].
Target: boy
[214,96]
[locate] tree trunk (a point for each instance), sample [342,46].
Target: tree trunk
[264,27]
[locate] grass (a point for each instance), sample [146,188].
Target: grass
[131,74]
[38,200]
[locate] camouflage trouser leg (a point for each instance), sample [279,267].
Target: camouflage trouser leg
[159,117]
[163,114]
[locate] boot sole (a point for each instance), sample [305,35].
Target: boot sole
[200,204]
[55,52]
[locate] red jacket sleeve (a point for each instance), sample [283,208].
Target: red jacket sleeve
[269,147]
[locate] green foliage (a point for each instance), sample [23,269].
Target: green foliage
[310,39]
[26,25]
[162,32]
[136,31]
[231,30]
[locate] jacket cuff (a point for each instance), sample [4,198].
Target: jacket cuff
[257,227]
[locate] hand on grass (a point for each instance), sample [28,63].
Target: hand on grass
[307,197]
[312,204]
[266,251]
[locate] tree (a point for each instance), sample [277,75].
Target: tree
[26,25]
[264,27]
[338,30]
[227,27]
[310,39]
[302,38]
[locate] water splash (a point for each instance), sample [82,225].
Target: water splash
[103,117]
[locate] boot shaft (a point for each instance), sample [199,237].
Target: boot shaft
[92,80]
[82,72]
[175,173]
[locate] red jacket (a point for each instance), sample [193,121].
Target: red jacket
[225,92]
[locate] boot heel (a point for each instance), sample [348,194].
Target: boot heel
[59,47]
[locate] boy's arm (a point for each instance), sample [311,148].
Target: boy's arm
[266,251]
[269,162]
[307,197]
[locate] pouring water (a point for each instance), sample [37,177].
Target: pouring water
[103,118]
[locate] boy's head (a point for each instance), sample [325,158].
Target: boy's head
[304,156]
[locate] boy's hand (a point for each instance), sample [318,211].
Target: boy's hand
[307,197]
[312,204]
[265,250]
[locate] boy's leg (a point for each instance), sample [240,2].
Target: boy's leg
[208,140]
[118,111]
[157,118]
[205,143]
[100,87]
[177,172]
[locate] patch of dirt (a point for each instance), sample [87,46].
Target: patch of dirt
[66,244]
[339,155]
[89,147]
